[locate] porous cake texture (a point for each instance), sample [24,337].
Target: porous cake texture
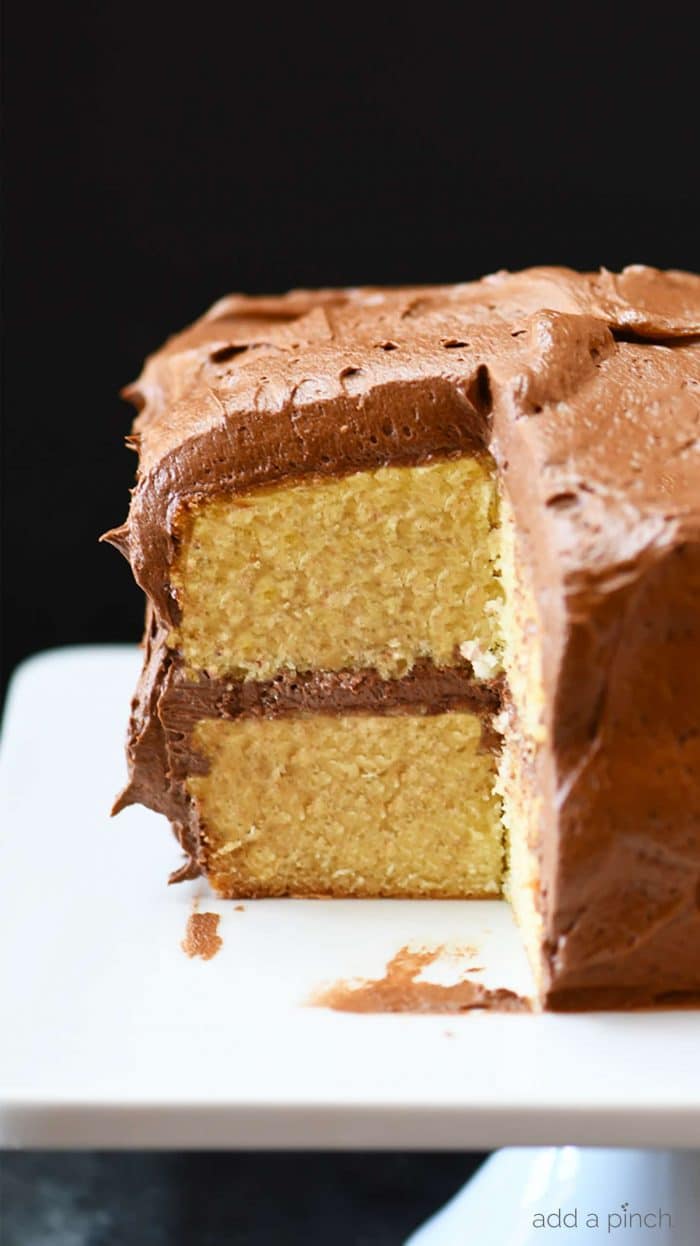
[423,581]
[373,570]
[349,805]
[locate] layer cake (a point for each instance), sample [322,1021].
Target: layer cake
[423,580]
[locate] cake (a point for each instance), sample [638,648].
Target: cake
[422,570]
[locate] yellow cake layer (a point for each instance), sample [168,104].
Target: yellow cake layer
[401,805]
[375,569]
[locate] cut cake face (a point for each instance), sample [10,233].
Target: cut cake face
[423,573]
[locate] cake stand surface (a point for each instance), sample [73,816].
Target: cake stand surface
[520,1197]
[113,1037]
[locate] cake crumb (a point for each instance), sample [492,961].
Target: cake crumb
[201,936]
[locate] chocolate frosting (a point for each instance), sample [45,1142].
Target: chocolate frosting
[402,989]
[585,389]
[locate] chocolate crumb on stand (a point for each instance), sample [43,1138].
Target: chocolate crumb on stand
[201,935]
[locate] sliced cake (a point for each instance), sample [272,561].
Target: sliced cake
[423,581]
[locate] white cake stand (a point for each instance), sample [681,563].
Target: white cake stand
[525,1196]
[117,1039]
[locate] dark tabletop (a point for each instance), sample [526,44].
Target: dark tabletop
[222,1199]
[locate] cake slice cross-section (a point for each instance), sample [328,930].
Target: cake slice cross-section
[423,581]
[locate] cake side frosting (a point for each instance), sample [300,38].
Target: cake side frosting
[604,483]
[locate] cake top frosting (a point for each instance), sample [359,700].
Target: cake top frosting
[265,355]
[593,378]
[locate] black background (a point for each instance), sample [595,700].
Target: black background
[159,156]
[209,1199]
